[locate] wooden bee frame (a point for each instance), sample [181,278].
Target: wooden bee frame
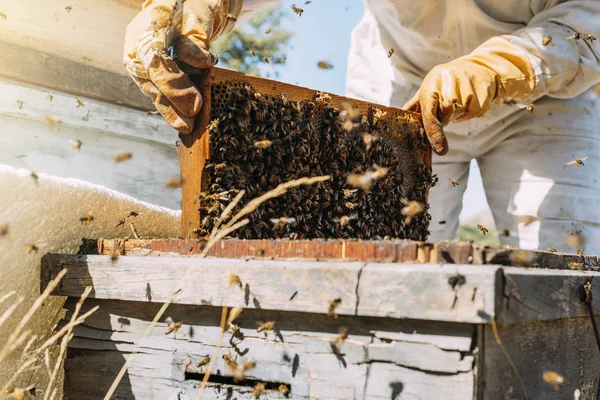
[194,149]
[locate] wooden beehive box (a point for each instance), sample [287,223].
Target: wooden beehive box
[418,316]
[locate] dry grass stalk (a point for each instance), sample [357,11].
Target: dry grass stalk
[510,361]
[121,373]
[65,340]
[222,233]
[7,295]
[27,317]
[10,310]
[65,329]
[19,371]
[28,345]
[226,212]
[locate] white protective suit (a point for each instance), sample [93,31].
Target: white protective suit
[521,155]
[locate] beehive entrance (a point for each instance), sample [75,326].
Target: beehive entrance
[307,139]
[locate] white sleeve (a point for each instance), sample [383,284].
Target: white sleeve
[564,67]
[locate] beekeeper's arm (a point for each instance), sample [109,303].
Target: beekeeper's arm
[514,67]
[159,77]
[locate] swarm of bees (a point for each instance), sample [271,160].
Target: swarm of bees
[262,141]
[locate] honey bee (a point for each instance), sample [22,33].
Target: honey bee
[412,208]
[280,222]
[350,192]
[132,214]
[86,219]
[79,102]
[553,378]
[35,176]
[324,65]
[259,390]
[590,38]
[214,124]
[267,326]
[114,257]
[203,362]
[369,139]
[332,306]
[69,8]
[263,144]
[297,10]
[483,229]
[390,53]
[49,97]
[546,40]
[268,31]
[284,389]
[575,36]
[551,250]
[344,220]
[123,156]
[266,60]
[575,240]
[577,162]
[234,314]
[3,229]
[174,182]
[172,326]
[453,182]
[120,222]
[351,205]
[529,107]
[527,219]
[51,120]
[282,59]
[252,53]
[579,253]
[365,181]
[575,266]
[342,335]
[3,16]
[234,279]
[20,103]
[76,144]
[32,248]
[151,113]
[505,233]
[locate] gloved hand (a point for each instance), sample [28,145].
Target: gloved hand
[157,75]
[465,88]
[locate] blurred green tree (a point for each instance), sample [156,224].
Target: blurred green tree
[258,41]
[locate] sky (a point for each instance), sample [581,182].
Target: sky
[322,33]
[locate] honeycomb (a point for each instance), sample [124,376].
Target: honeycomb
[307,139]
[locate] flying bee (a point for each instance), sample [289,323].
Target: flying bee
[120,222]
[3,16]
[332,306]
[453,182]
[123,156]
[483,229]
[342,335]
[3,229]
[214,124]
[526,219]
[579,253]
[350,192]
[280,222]
[132,214]
[282,59]
[546,40]
[266,326]
[390,53]
[258,390]
[203,362]
[442,222]
[575,36]
[577,162]
[529,107]
[575,266]
[51,120]
[369,139]
[34,175]
[79,102]
[49,97]
[324,65]
[268,31]
[505,233]
[350,205]
[69,8]
[263,144]
[234,314]
[551,250]
[284,389]
[86,219]
[553,378]
[114,257]
[266,60]
[297,10]
[380,172]
[234,279]
[344,220]
[252,53]
[76,144]
[412,208]
[172,326]
[174,182]
[575,240]
[32,248]
[588,37]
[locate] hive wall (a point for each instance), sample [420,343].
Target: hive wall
[310,139]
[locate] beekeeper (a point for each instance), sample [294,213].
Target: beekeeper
[504,82]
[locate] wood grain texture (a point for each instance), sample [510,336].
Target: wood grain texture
[565,346]
[444,252]
[402,291]
[298,353]
[194,151]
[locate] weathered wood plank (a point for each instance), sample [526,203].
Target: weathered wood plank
[299,353]
[538,294]
[403,291]
[461,293]
[565,346]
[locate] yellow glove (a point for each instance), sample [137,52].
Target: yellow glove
[157,75]
[465,88]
